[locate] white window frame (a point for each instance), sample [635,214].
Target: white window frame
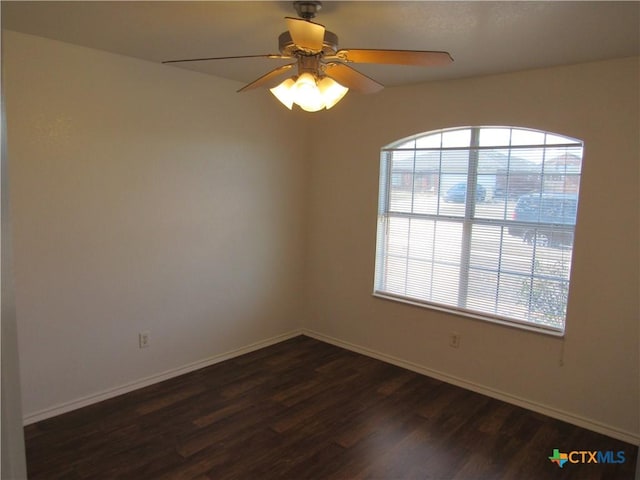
[467,220]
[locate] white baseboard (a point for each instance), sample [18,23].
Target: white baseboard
[552,412]
[150,380]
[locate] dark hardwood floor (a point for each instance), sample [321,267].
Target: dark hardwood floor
[303,409]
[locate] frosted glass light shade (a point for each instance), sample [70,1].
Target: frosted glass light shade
[306,93]
[284,93]
[309,93]
[331,91]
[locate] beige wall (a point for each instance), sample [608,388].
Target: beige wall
[144,197]
[598,103]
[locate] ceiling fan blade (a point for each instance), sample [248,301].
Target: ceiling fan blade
[351,78]
[306,34]
[395,57]
[225,58]
[270,79]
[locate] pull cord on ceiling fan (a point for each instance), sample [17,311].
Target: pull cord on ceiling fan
[323,76]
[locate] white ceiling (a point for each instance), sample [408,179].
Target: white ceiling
[482,37]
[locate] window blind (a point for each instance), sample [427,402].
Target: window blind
[480,221]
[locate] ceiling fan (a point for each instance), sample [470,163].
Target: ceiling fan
[323,72]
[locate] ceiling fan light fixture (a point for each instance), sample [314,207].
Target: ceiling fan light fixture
[309,93]
[306,93]
[331,91]
[284,92]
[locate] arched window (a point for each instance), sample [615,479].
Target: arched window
[480,221]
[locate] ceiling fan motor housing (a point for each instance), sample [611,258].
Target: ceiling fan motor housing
[288,48]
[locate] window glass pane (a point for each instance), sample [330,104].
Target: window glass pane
[486,247]
[455,162]
[418,279]
[429,141]
[548,300]
[526,137]
[494,137]
[512,300]
[401,181]
[550,139]
[395,277]
[447,242]
[529,159]
[421,239]
[481,291]
[454,195]
[456,138]
[407,144]
[397,237]
[426,182]
[494,161]
[516,255]
[444,286]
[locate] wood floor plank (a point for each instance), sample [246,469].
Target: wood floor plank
[303,409]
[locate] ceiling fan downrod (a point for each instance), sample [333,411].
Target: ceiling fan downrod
[307,9]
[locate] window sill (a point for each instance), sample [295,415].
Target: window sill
[476,316]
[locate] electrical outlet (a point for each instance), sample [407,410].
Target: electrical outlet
[143,339]
[454,340]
